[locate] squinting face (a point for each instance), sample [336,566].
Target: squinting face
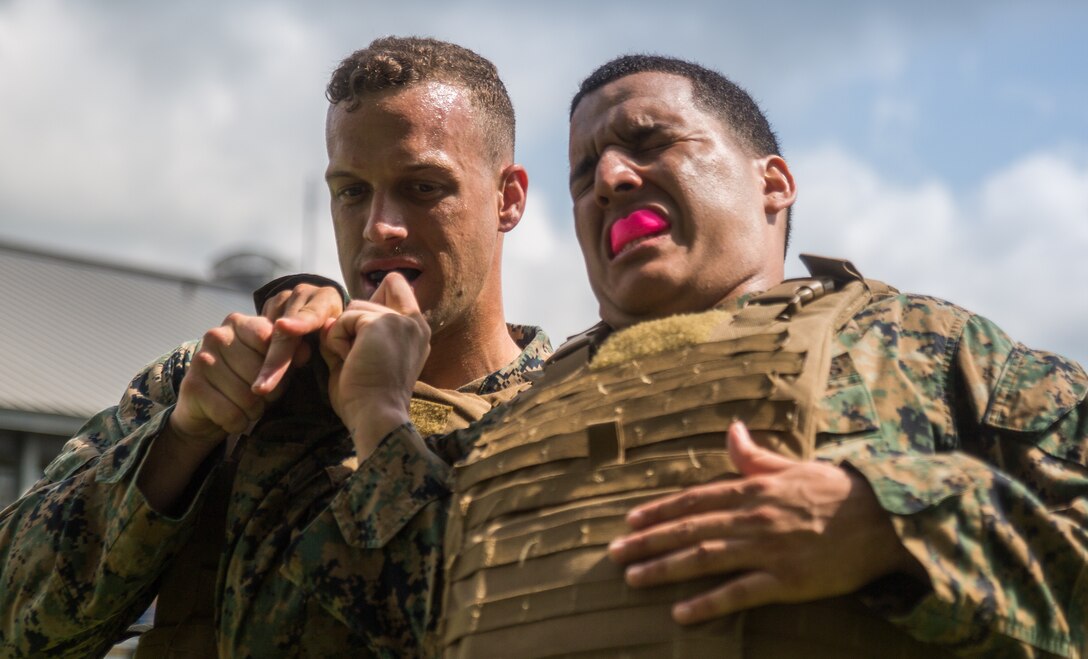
[673,215]
[415,189]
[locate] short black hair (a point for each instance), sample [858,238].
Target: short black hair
[713,92]
[390,62]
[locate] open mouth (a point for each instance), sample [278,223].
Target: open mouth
[376,276]
[638,227]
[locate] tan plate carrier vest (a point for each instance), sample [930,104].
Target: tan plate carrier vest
[550,480]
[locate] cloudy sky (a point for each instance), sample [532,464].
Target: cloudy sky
[942,146]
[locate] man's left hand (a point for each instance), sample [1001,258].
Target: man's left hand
[783,531]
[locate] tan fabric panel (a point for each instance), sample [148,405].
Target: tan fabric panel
[690,390]
[639,621]
[566,600]
[464,407]
[608,630]
[550,387]
[761,415]
[566,485]
[598,531]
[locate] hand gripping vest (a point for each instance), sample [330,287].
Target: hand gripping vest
[548,484]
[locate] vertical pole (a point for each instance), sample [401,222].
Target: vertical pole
[30,460]
[308,257]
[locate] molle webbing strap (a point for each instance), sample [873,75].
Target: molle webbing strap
[548,484]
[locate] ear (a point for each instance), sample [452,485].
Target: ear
[779,190]
[513,187]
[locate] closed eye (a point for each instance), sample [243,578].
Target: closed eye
[351,192]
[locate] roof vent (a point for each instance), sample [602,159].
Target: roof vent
[246,270]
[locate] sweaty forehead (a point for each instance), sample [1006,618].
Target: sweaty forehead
[428,103]
[637,100]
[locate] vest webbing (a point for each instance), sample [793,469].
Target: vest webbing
[549,483]
[185,626]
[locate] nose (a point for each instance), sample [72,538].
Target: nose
[386,223]
[615,176]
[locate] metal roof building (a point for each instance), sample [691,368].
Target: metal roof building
[73,332]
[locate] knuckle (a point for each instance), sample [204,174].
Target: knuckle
[754,487]
[706,607]
[687,501]
[763,517]
[202,359]
[740,590]
[218,336]
[234,420]
[687,529]
[704,553]
[277,301]
[654,570]
[330,294]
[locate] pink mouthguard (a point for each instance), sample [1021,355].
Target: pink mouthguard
[636,225]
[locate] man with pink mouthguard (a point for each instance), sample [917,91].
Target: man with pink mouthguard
[731,464]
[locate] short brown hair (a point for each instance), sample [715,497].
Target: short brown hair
[402,61]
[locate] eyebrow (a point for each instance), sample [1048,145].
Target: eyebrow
[338,174]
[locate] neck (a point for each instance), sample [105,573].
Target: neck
[460,355]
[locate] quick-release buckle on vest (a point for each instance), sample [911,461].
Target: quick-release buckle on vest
[796,294]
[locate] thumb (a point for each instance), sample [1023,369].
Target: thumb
[750,459]
[396,293]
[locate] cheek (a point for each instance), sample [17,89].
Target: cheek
[585,230]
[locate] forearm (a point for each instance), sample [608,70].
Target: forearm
[79,558]
[1005,569]
[172,467]
[373,557]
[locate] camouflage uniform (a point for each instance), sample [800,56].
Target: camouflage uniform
[976,446]
[82,553]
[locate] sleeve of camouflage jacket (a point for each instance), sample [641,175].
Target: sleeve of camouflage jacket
[998,516]
[80,552]
[373,558]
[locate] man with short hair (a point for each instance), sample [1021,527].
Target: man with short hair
[899,479]
[420,137]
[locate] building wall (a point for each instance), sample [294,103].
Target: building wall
[23,458]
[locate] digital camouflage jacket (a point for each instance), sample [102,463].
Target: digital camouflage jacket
[82,553]
[976,446]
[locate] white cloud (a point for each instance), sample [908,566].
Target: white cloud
[544,278]
[1011,250]
[111,149]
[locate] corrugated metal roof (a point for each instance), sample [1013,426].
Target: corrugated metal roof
[73,332]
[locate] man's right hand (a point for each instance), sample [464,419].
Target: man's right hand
[215,399]
[216,396]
